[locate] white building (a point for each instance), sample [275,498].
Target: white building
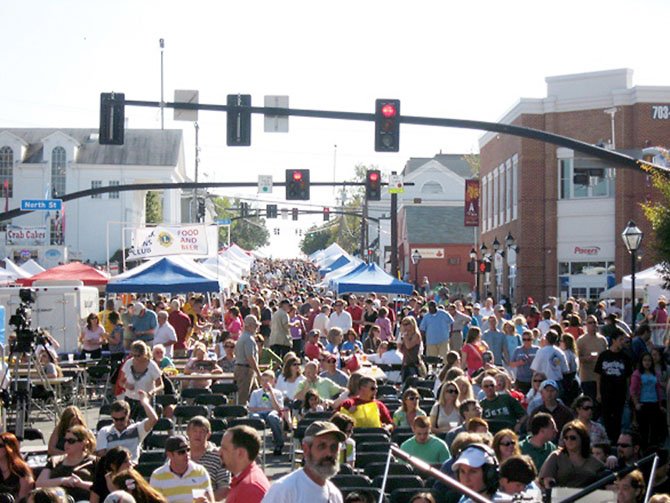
[49,163]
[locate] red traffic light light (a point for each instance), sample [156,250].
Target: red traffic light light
[482,266]
[373,176]
[389,110]
[297,176]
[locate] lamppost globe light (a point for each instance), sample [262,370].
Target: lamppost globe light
[632,236]
[496,244]
[416,257]
[509,240]
[483,248]
[473,254]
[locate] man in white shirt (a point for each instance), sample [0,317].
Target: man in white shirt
[267,403]
[550,360]
[339,317]
[165,334]
[487,310]
[321,320]
[388,354]
[311,484]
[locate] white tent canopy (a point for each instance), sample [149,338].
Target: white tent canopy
[32,267]
[15,270]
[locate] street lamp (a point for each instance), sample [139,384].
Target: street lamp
[416,258]
[475,271]
[632,237]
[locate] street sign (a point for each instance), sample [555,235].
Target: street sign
[223,221]
[186,96]
[264,184]
[276,123]
[42,204]
[396,184]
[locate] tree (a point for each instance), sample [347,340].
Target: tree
[658,214]
[153,212]
[316,239]
[474,162]
[249,233]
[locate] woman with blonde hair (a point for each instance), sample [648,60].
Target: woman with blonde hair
[464,388]
[132,482]
[445,414]
[71,416]
[506,444]
[409,409]
[75,471]
[139,373]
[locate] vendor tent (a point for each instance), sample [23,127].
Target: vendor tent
[340,261]
[15,270]
[32,267]
[166,275]
[321,256]
[88,275]
[370,278]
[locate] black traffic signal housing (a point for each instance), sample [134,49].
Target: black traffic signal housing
[244,210]
[326,214]
[373,187]
[112,118]
[294,214]
[201,210]
[238,130]
[484,266]
[297,184]
[271,211]
[387,125]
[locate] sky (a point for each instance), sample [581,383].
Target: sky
[466,60]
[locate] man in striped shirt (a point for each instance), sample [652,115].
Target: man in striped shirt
[181,480]
[203,452]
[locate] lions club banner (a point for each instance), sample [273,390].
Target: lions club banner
[164,240]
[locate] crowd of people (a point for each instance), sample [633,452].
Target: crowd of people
[505,399]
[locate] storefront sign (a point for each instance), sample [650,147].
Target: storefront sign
[16,235]
[589,251]
[426,253]
[163,240]
[471,203]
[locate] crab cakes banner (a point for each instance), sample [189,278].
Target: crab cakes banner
[172,240]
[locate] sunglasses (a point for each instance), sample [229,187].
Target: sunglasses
[591,323]
[587,407]
[452,391]
[508,443]
[295,364]
[373,388]
[537,380]
[331,361]
[229,346]
[119,419]
[570,437]
[488,386]
[71,440]
[413,398]
[527,340]
[624,446]
[181,452]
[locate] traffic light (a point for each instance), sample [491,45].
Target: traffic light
[294,214]
[484,266]
[297,184]
[244,210]
[326,214]
[201,210]
[112,118]
[271,211]
[387,125]
[238,131]
[373,191]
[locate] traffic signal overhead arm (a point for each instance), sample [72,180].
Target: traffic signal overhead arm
[617,158]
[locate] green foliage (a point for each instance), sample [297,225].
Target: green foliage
[153,205]
[474,162]
[658,214]
[316,239]
[249,233]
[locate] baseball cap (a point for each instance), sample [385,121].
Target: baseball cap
[318,428]
[477,306]
[175,443]
[548,382]
[475,457]
[138,306]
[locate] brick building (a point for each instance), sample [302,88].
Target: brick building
[565,210]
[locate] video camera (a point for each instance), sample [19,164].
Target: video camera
[26,338]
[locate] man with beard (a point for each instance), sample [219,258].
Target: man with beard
[311,484]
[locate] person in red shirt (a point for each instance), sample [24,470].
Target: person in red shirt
[356,312]
[239,447]
[366,394]
[313,348]
[182,327]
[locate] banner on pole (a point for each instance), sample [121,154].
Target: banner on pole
[471,203]
[164,240]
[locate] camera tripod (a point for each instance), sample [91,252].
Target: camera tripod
[19,391]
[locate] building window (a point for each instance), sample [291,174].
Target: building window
[508,191]
[58,165]
[515,186]
[482,202]
[96,184]
[6,171]
[584,177]
[496,197]
[584,279]
[489,201]
[431,188]
[114,183]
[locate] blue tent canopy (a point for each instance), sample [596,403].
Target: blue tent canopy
[164,275]
[342,260]
[370,278]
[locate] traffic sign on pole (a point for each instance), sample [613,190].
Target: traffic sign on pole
[41,204]
[264,184]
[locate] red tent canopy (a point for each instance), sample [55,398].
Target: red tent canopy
[72,271]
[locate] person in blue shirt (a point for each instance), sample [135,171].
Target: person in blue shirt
[496,342]
[521,361]
[436,329]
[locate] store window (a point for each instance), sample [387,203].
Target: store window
[58,173]
[6,171]
[583,177]
[585,280]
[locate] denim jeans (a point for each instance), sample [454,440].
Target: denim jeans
[274,421]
